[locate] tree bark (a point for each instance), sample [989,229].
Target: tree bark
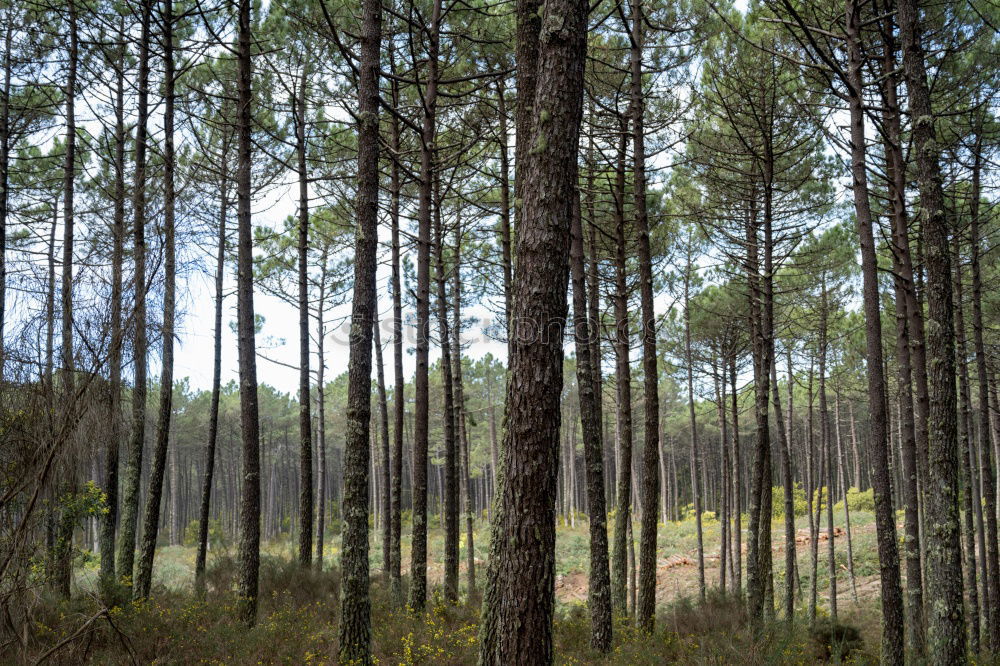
[885,519]
[213,414]
[248,556]
[599,581]
[133,463]
[945,621]
[355,623]
[520,593]
[144,577]
[418,550]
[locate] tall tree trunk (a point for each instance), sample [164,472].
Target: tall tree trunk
[909,346]
[418,549]
[109,521]
[133,462]
[737,481]
[450,471]
[305,415]
[460,424]
[321,491]
[991,598]
[651,443]
[399,382]
[827,447]
[969,498]
[144,576]
[623,383]
[945,622]
[599,581]
[789,497]
[355,623]
[5,141]
[383,422]
[519,600]
[70,410]
[213,414]
[693,423]
[248,556]
[885,518]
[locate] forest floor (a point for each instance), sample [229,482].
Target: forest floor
[299,610]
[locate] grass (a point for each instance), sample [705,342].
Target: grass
[299,613]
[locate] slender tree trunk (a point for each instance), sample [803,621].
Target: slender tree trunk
[460,424]
[827,446]
[991,598]
[5,141]
[305,415]
[450,471]
[623,382]
[213,415]
[843,493]
[885,519]
[133,463]
[321,493]
[599,581]
[789,498]
[418,549]
[693,423]
[109,521]
[70,410]
[651,444]
[737,481]
[144,576]
[965,446]
[399,382]
[383,421]
[248,556]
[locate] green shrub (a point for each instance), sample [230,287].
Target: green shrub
[858,500]
[778,501]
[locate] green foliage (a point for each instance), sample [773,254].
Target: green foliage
[858,500]
[216,535]
[778,501]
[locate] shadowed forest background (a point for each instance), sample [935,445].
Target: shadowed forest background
[412,331]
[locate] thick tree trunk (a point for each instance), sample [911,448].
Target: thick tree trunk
[909,345]
[945,621]
[355,623]
[520,592]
